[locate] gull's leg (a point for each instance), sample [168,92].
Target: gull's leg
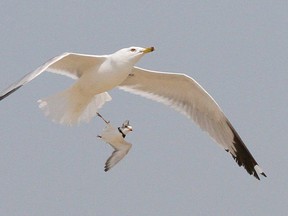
[107,122]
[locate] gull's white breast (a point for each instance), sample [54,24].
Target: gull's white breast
[103,78]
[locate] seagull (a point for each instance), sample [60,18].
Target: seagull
[115,137]
[97,74]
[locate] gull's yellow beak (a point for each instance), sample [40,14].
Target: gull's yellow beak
[149,49]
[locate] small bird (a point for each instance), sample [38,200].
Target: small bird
[97,74]
[115,138]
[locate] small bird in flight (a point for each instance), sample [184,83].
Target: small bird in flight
[115,138]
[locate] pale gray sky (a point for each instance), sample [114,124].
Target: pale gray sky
[237,50]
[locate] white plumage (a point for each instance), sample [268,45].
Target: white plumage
[98,74]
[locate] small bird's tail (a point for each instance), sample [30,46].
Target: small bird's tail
[71,106]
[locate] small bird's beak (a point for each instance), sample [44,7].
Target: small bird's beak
[149,49]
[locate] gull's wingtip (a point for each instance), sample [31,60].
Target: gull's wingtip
[242,156]
[259,170]
[9,92]
[107,166]
[263,174]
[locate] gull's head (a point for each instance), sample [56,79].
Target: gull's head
[126,127]
[132,54]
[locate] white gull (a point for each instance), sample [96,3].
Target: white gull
[97,74]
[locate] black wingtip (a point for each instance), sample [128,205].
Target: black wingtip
[10,92]
[106,168]
[264,174]
[256,175]
[243,157]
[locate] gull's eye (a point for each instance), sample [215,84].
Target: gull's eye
[132,49]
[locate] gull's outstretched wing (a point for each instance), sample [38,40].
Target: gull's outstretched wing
[69,64]
[185,95]
[117,155]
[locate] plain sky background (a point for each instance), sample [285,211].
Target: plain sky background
[237,50]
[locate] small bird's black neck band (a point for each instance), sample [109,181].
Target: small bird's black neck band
[123,135]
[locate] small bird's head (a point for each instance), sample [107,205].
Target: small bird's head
[132,54]
[126,127]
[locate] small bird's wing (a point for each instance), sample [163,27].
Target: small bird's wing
[117,155]
[185,95]
[72,65]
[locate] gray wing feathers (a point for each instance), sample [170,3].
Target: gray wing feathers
[72,65]
[185,95]
[30,76]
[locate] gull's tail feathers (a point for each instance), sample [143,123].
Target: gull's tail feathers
[71,107]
